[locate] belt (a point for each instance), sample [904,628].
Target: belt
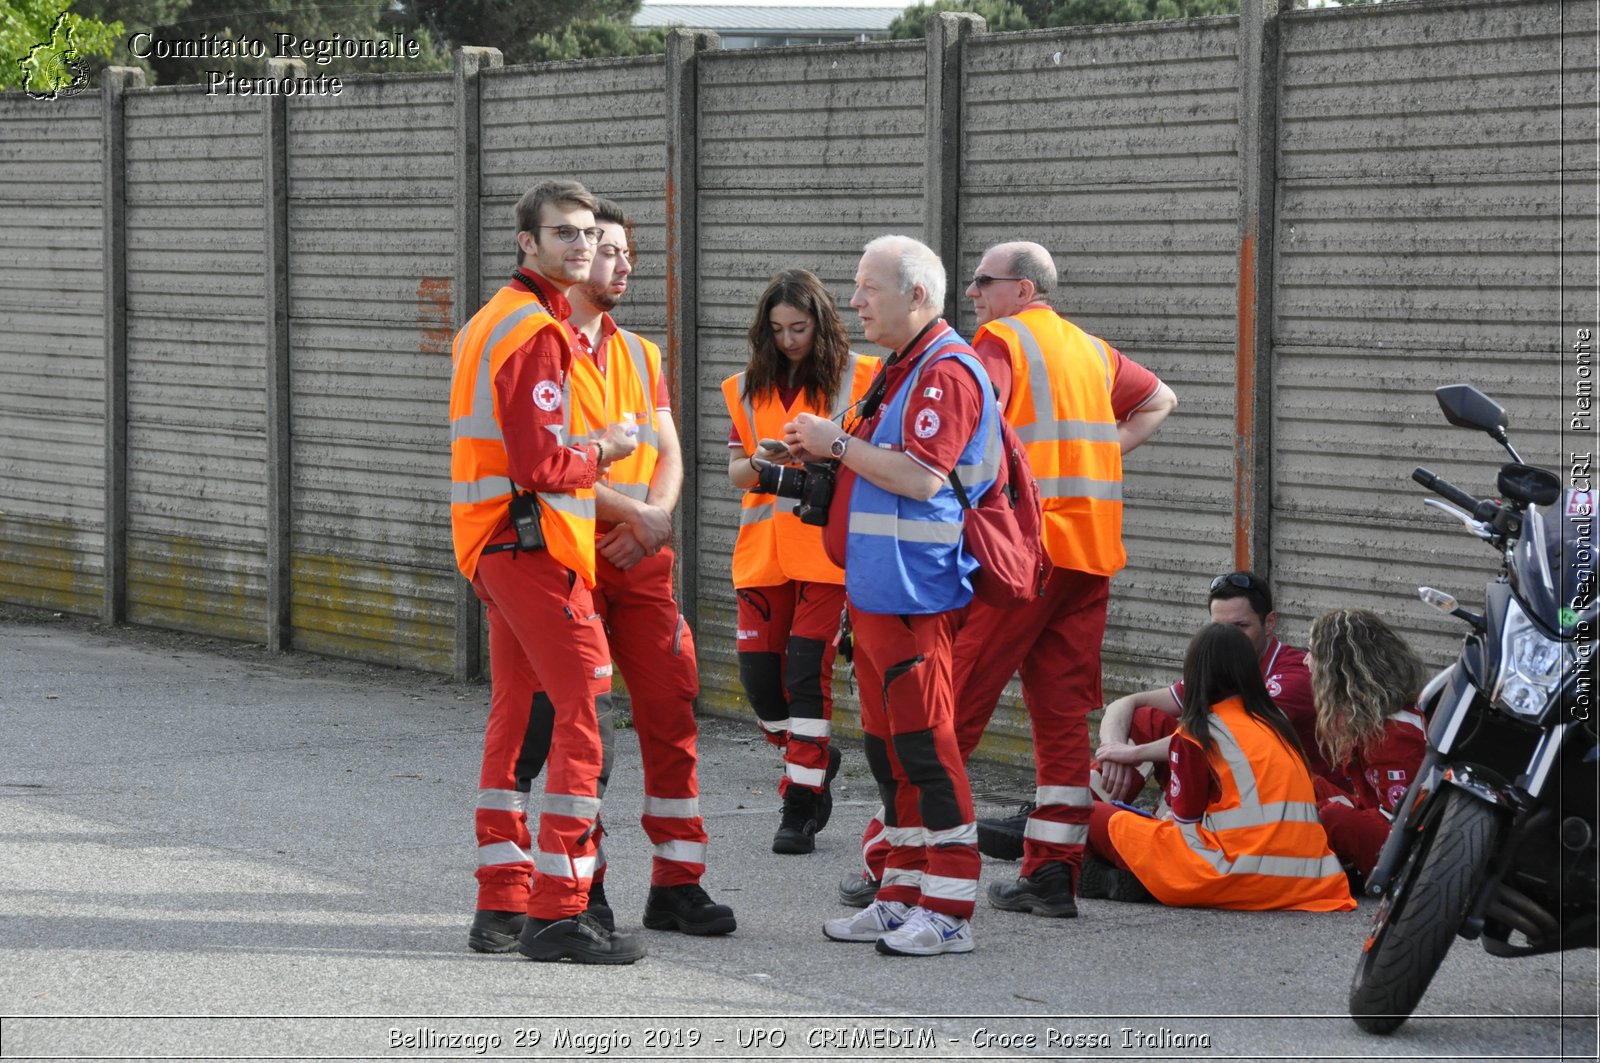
[499,548]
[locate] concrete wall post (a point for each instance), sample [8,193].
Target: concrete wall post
[941,203]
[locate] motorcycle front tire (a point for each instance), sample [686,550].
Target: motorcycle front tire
[1419,918]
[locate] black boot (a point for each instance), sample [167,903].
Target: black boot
[797,833]
[494,931]
[599,908]
[689,909]
[1002,838]
[825,798]
[580,939]
[1049,892]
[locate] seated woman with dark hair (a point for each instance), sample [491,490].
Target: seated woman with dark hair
[1244,830]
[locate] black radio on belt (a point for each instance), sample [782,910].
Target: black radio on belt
[525,520]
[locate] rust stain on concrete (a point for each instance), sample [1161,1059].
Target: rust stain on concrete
[433,315]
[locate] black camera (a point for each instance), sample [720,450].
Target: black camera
[812,485]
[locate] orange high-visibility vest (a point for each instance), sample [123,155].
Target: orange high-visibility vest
[773,545]
[1259,846]
[480,476]
[625,392]
[1060,406]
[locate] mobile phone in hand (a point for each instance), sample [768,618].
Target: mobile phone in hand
[774,449]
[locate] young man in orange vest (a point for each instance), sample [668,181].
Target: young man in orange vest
[522,512]
[617,376]
[1078,405]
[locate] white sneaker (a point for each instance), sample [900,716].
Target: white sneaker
[869,924]
[927,933]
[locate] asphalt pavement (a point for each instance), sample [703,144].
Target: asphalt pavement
[211,852]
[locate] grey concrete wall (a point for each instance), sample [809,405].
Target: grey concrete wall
[52,362]
[1418,178]
[196,351]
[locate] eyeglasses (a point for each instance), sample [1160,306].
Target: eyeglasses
[983,280]
[1243,580]
[568,234]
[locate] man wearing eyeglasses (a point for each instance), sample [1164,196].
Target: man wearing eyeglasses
[617,377]
[1078,405]
[523,464]
[1138,729]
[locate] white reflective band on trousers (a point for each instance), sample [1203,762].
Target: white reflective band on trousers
[576,806]
[1042,830]
[807,727]
[965,834]
[950,889]
[502,800]
[901,876]
[556,865]
[1075,796]
[804,776]
[499,853]
[672,807]
[681,852]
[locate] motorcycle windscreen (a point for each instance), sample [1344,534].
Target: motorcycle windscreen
[1553,564]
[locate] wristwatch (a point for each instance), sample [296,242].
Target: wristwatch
[838,447]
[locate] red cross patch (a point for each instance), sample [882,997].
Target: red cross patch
[926,423]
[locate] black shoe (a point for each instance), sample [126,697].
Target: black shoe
[494,931]
[1002,838]
[580,939]
[1049,893]
[825,798]
[689,909]
[1100,880]
[858,891]
[599,908]
[797,832]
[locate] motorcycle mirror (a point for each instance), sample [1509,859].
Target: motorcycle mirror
[1445,603]
[1466,407]
[1529,485]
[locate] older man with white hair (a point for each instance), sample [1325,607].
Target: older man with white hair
[896,524]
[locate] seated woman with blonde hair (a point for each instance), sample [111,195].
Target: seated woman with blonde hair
[1243,831]
[1365,680]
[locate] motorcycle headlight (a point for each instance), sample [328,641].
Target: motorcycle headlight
[1531,665]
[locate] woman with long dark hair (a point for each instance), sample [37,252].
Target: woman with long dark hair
[1366,681]
[790,595]
[1243,831]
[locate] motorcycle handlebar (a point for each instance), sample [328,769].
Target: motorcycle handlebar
[1482,509]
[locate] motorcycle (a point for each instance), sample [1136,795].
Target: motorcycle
[1495,839]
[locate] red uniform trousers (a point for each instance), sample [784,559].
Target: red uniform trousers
[1055,641]
[1100,843]
[654,650]
[1355,834]
[907,713]
[787,645]
[541,622]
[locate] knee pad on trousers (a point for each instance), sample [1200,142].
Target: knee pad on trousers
[541,727]
[536,741]
[920,760]
[761,674]
[877,753]
[803,677]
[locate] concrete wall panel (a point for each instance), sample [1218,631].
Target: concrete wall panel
[196,363]
[52,355]
[371,252]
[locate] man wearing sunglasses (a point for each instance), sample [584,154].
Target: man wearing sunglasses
[617,377]
[523,464]
[1137,729]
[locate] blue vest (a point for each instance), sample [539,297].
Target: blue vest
[905,556]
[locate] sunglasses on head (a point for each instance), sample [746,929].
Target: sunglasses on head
[1233,579]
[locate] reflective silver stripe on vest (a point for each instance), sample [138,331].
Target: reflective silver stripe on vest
[641,365]
[909,531]
[1080,487]
[1044,410]
[1262,815]
[989,468]
[1069,431]
[756,514]
[475,491]
[480,423]
[841,394]
[747,406]
[571,505]
[638,492]
[1105,359]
